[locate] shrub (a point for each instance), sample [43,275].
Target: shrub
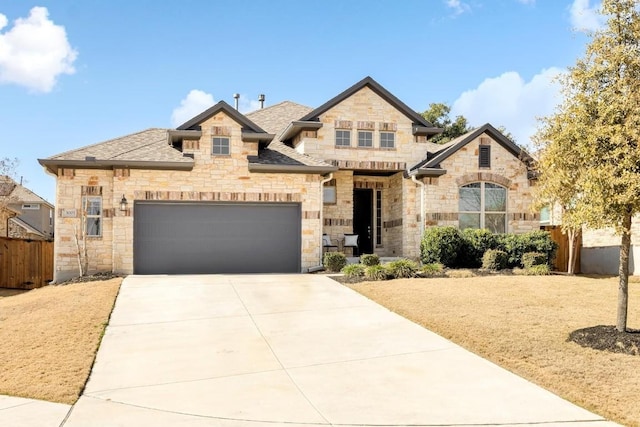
[376,272]
[402,268]
[462,273]
[494,259]
[334,261]
[353,270]
[433,269]
[369,259]
[440,244]
[531,259]
[475,242]
[516,245]
[536,270]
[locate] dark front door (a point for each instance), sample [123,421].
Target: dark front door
[363,219]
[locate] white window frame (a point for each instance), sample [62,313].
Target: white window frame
[31,206]
[363,133]
[483,212]
[92,216]
[345,134]
[220,147]
[393,140]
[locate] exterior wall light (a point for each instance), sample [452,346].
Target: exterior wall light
[123,203]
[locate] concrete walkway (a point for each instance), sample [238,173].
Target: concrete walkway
[292,350]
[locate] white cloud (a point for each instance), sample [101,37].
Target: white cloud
[584,17]
[195,103]
[509,101]
[458,6]
[246,105]
[35,51]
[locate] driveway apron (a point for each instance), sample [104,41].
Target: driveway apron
[294,350]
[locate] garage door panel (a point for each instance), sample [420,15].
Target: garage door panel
[193,238]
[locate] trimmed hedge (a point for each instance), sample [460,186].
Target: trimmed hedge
[441,245]
[334,261]
[369,259]
[494,259]
[531,259]
[475,242]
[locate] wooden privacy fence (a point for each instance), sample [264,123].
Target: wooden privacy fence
[562,256]
[25,264]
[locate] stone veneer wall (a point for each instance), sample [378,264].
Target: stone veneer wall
[462,168]
[213,178]
[394,222]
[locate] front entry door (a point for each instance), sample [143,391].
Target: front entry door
[363,218]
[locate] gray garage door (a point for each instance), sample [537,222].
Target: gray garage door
[203,238]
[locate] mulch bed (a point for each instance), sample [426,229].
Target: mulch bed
[91,278]
[607,338]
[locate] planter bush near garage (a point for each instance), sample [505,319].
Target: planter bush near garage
[334,261]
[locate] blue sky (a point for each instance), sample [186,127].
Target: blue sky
[77,72]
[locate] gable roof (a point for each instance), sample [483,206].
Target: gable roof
[275,118]
[431,165]
[26,226]
[194,123]
[148,148]
[418,120]
[12,192]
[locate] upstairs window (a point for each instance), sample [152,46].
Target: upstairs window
[365,138]
[343,138]
[31,206]
[484,156]
[483,205]
[221,146]
[92,208]
[387,140]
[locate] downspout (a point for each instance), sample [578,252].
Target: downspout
[322,183]
[422,209]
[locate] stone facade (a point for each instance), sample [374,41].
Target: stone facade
[213,178]
[398,143]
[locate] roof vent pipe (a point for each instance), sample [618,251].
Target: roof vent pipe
[261,99]
[236,96]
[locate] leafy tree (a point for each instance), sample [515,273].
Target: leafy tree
[593,139]
[438,115]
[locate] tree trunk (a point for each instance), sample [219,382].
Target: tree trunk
[623,273]
[571,263]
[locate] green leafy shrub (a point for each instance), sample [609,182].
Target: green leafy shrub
[440,244]
[433,269]
[334,261]
[475,242]
[376,272]
[516,245]
[369,259]
[494,259]
[353,270]
[402,268]
[531,259]
[536,270]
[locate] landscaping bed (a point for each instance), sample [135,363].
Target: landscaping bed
[523,323]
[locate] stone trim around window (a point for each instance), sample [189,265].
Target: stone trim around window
[483,176]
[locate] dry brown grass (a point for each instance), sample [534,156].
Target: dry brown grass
[50,336]
[522,323]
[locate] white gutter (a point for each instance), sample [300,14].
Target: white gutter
[322,183]
[422,209]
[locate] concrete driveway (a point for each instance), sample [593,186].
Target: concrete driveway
[291,350]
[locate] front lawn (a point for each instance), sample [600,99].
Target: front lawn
[522,323]
[49,337]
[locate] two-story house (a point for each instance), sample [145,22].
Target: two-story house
[231,193]
[24,214]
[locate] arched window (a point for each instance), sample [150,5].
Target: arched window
[483,205]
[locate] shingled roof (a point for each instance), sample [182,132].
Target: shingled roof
[278,156]
[12,192]
[148,148]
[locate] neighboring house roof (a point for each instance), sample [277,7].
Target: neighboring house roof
[421,125]
[12,192]
[431,165]
[30,229]
[148,148]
